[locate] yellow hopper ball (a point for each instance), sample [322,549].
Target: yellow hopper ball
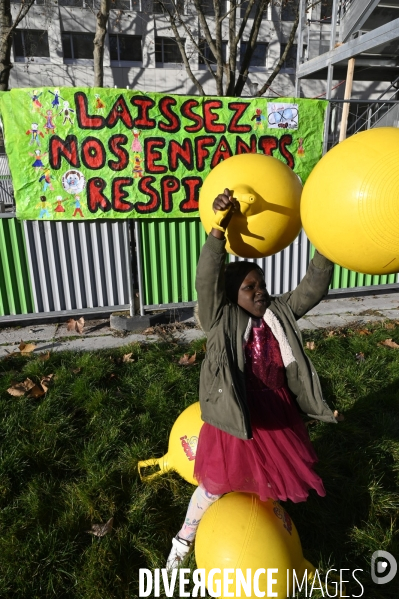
[182,449]
[239,531]
[350,203]
[269,194]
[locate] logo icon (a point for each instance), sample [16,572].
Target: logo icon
[383,567]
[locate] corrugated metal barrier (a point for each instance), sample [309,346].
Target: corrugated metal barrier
[16,295]
[76,265]
[170,251]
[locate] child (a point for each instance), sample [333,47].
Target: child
[254,377]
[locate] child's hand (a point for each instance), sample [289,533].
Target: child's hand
[339,417]
[224,201]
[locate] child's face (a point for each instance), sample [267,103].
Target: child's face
[252,295]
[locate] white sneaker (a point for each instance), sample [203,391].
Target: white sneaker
[180,549]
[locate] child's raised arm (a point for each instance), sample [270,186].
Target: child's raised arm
[209,281]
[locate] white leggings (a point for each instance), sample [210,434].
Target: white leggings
[200,501]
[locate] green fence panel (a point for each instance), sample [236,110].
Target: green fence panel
[348,279]
[170,251]
[15,286]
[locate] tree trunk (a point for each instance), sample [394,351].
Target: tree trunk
[282,59]
[5,44]
[98,54]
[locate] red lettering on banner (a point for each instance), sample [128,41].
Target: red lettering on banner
[169,185]
[191,186]
[243,148]
[119,194]
[201,150]
[60,148]
[183,152]
[95,197]
[93,153]
[115,144]
[186,110]
[239,108]
[165,107]
[222,152]
[145,186]
[268,143]
[143,120]
[152,155]
[286,140]
[85,120]
[119,112]
[210,117]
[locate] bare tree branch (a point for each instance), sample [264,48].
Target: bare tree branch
[7,28]
[280,63]
[99,38]
[253,36]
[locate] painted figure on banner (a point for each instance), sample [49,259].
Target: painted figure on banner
[99,104]
[66,111]
[44,205]
[136,145]
[258,118]
[49,116]
[56,100]
[59,207]
[38,164]
[35,134]
[36,104]
[46,178]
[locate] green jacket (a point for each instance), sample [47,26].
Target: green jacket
[222,391]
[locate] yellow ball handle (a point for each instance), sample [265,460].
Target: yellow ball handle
[161,462]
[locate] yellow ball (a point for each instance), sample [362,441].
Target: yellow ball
[350,203]
[269,194]
[182,449]
[239,531]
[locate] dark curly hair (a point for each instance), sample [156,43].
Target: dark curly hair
[234,274]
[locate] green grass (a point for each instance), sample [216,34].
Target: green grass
[69,460]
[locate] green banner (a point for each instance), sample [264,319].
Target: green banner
[79,153]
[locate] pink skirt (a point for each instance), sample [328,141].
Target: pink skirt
[276,463]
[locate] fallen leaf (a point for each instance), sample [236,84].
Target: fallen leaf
[26,387]
[149,330]
[338,416]
[360,357]
[44,357]
[364,332]
[187,360]
[128,358]
[389,325]
[76,325]
[311,345]
[100,530]
[76,370]
[45,382]
[26,348]
[389,343]
[331,333]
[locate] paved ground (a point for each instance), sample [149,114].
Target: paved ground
[97,334]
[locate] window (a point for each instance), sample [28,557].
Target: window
[77,46]
[166,6]
[206,52]
[258,58]
[243,9]
[125,48]
[167,51]
[288,11]
[30,43]
[290,61]
[326,10]
[208,7]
